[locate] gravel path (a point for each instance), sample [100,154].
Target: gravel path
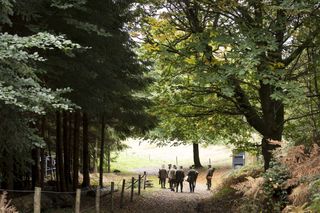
[166,201]
[158,200]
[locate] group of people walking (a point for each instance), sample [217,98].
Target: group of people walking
[176,176]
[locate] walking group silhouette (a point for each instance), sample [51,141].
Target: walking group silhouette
[176,176]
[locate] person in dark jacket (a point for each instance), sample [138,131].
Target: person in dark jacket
[179,178]
[169,168]
[209,176]
[163,174]
[192,178]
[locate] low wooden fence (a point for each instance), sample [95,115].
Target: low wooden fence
[139,183]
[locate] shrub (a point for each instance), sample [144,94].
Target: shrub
[276,195]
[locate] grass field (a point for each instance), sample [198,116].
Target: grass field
[144,156]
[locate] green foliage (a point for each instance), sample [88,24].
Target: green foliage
[276,197]
[17,140]
[5,11]
[19,82]
[217,60]
[66,4]
[14,47]
[107,78]
[251,205]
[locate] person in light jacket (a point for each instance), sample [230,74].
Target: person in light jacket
[172,177]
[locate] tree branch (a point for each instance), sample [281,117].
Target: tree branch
[302,47]
[301,116]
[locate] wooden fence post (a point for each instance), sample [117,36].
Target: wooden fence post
[98,200]
[112,190]
[132,188]
[122,193]
[37,200]
[77,205]
[139,184]
[145,180]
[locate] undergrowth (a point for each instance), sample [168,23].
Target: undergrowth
[291,184]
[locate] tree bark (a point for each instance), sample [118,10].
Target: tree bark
[66,149]
[196,156]
[76,140]
[42,152]
[36,174]
[94,163]
[59,154]
[71,147]
[8,171]
[109,157]
[273,116]
[85,152]
[103,125]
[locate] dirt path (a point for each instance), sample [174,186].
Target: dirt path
[165,201]
[159,200]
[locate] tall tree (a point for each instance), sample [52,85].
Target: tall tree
[22,94]
[242,54]
[76,151]
[102,82]
[102,143]
[85,151]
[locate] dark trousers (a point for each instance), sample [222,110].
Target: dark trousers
[209,183]
[172,182]
[163,182]
[192,185]
[180,182]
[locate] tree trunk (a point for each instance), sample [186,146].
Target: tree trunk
[8,171]
[42,152]
[103,125]
[94,164]
[76,140]
[36,174]
[109,156]
[85,152]
[273,117]
[196,156]
[71,147]
[66,149]
[59,154]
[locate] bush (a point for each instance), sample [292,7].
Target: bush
[276,197]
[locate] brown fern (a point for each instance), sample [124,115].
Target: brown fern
[300,195]
[250,188]
[300,162]
[296,209]
[5,206]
